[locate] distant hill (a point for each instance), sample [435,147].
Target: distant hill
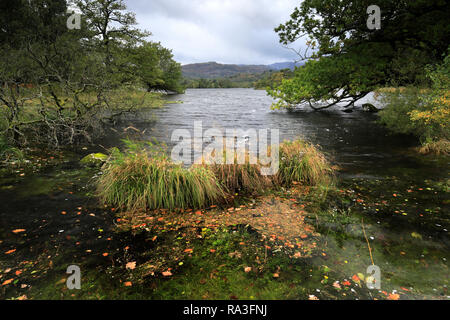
[214,70]
[285,65]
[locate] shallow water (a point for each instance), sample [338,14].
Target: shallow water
[408,233]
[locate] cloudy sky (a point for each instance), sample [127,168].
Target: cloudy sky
[225,31]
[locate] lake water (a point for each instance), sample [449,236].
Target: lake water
[405,207]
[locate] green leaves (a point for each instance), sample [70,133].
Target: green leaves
[348,60]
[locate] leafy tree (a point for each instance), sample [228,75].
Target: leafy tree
[424,112]
[55,83]
[348,60]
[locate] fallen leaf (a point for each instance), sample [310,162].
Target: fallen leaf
[247,269]
[7,282]
[166,273]
[10,251]
[131,265]
[393,296]
[128,284]
[18,230]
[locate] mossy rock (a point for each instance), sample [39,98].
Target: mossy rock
[368,107]
[94,160]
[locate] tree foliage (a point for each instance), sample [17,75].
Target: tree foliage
[56,84]
[424,112]
[347,60]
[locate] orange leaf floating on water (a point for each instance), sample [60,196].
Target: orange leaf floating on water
[393,296]
[131,265]
[105,254]
[18,272]
[188,250]
[154,238]
[404,289]
[128,284]
[355,278]
[10,251]
[18,230]
[7,282]
[166,273]
[63,212]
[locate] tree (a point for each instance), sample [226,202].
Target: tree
[348,61]
[57,85]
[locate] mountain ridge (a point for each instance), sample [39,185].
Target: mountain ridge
[214,70]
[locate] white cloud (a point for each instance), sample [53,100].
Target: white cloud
[226,31]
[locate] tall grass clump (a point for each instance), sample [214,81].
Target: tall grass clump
[302,162]
[236,176]
[144,180]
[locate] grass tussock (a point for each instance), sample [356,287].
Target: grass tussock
[304,163]
[140,181]
[440,147]
[239,177]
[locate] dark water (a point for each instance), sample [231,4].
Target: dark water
[352,139]
[409,235]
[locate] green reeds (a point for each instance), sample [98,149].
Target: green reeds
[140,182]
[302,162]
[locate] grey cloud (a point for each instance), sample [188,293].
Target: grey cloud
[226,31]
